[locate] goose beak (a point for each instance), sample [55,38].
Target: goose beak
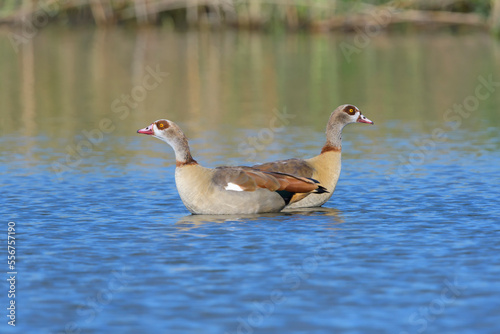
[363,119]
[147,130]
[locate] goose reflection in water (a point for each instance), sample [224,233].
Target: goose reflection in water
[196,221]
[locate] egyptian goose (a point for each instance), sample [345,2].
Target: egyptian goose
[324,167]
[228,190]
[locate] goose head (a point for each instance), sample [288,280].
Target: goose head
[348,113]
[340,117]
[170,133]
[165,130]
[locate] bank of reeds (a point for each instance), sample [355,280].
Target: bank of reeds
[323,15]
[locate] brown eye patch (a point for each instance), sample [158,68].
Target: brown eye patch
[162,125]
[351,110]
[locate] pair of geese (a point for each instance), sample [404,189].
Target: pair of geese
[269,187]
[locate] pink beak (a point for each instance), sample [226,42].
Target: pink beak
[147,130]
[363,119]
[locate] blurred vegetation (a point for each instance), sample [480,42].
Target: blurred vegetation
[314,15]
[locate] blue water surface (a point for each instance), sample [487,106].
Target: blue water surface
[409,242]
[109,250]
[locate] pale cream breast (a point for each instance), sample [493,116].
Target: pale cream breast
[326,171]
[194,186]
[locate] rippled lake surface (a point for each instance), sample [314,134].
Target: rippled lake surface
[409,243]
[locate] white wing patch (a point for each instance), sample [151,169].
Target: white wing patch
[233,186]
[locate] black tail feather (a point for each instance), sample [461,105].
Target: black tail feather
[286,195]
[321,190]
[314,180]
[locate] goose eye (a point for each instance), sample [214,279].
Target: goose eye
[162,125]
[351,110]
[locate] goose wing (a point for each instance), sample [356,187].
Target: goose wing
[296,167]
[251,179]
